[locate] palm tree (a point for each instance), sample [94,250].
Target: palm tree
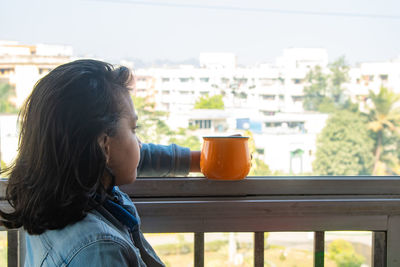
[384,116]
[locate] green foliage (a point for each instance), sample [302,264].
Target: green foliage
[314,94]
[344,146]
[339,75]
[210,102]
[282,256]
[384,118]
[6,92]
[325,92]
[383,101]
[182,137]
[153,129]
[3,165]
[343,253]
[326,105]
[174,248]
[258,166]
[214,246]
[4,172]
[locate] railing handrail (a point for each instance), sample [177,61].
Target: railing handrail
[265,186]
[385,186]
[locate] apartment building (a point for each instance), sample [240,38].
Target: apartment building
[269,88]
[23,65]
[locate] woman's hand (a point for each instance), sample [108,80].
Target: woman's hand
[195,161]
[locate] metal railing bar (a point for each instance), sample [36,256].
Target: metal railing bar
[258,249]
[319,249]
[12,248]
[378,249]
[199,249]
[21,247]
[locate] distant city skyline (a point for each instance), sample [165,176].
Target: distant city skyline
[177,30]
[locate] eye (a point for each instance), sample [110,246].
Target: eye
[135,128]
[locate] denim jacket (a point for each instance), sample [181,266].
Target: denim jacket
[109,236]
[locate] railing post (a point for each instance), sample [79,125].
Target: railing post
[319,249]
[22,247]
[15,248]
[12,248]
[393,241]
[379,249]
[199,249]
[258,249]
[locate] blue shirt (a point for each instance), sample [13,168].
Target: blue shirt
[109,235]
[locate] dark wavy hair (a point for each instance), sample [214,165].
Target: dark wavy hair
[60,166]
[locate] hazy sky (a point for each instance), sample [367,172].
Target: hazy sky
[255,30]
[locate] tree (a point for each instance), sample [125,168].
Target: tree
[384,118]
[325,92]
[153,128]
[344,146]
[314,94]
[339,74]
[258,166]
[6,92]
[183,138]
[210,102]
[343,253]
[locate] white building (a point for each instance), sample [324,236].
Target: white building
[285,141]
[23,65]
[288,141]
[269,88]
[217,60]
[302,58]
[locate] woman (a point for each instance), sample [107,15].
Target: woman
[77,144]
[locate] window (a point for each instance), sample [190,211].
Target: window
[297,98]
[268,112]
[297,81]
[203,124]
[384,77]
[184,80]
[268,97]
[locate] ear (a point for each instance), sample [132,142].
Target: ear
[104,142]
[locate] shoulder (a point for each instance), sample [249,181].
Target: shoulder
[65,245]
[105,252]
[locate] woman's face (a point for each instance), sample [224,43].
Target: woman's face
[123,149]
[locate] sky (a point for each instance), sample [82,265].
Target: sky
[255,30]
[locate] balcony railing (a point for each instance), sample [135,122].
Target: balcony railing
[264,204]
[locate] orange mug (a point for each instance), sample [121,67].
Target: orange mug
[225,157]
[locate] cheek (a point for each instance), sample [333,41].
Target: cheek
[136,152]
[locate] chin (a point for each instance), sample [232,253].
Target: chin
[126,180]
